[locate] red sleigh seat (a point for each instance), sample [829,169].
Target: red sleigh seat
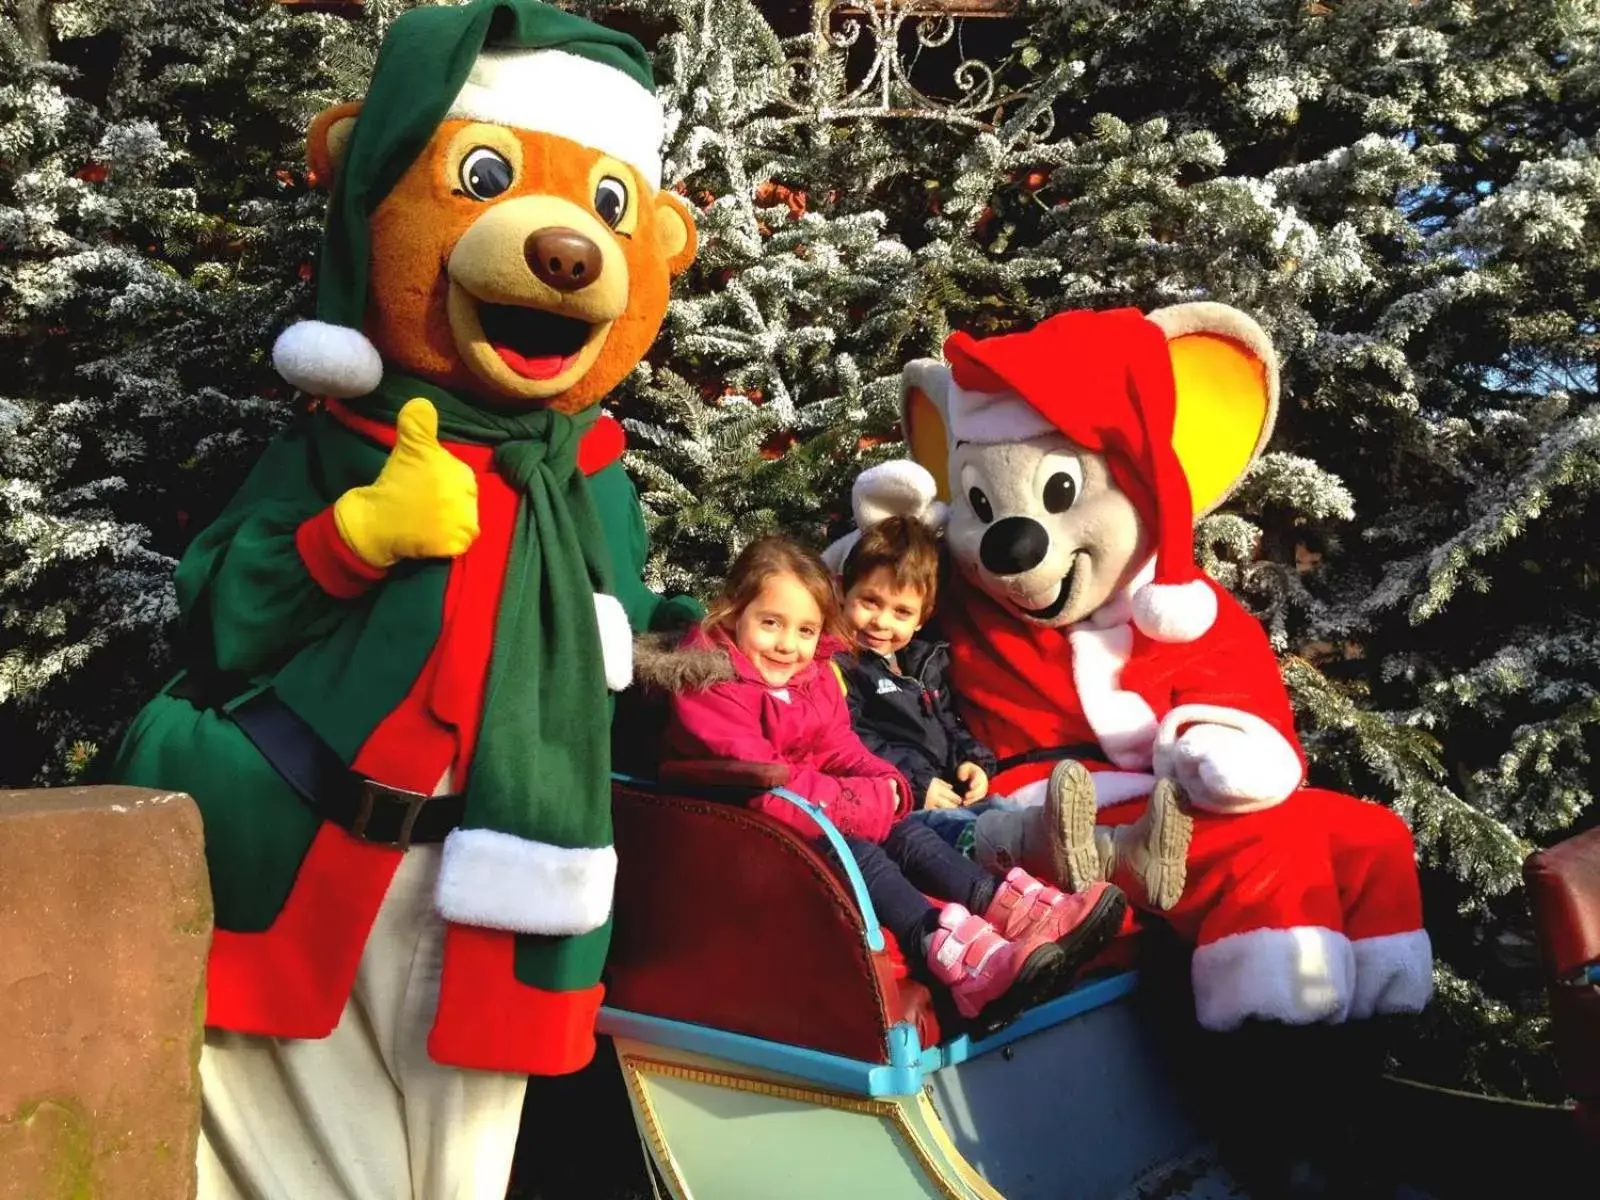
[727,918]
[1564,892]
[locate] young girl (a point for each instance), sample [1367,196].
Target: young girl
[778,701]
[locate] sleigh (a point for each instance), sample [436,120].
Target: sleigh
[772,1046]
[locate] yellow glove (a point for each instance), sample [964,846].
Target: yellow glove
[424,503]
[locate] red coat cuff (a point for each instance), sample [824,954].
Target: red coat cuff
[335,567]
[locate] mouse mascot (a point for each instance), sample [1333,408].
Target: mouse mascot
[400,634]
[1116,682]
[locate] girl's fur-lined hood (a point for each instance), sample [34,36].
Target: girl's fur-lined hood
[677,662]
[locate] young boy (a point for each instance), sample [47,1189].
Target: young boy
[895,683]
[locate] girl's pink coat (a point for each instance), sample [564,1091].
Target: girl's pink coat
[805,726]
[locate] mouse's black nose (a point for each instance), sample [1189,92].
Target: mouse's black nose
[1014,545]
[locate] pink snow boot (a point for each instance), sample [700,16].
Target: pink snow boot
[1081,924]
[990,975]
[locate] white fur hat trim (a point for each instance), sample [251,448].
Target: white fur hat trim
[551,91]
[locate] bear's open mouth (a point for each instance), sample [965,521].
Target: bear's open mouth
[533,343]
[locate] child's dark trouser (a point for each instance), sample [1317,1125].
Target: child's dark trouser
[914,863]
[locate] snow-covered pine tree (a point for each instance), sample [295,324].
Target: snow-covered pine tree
[157,231]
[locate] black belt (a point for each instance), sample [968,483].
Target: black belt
[1083,753]
[367,809]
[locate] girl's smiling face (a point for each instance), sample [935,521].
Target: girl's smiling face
[778,630]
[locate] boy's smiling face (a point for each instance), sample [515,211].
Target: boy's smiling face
[883,615]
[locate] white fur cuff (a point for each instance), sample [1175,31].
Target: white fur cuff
[1393,973]
[1226,760]
[616,640]
[1175,612]
[1299,976]
[496,881]
[327,360]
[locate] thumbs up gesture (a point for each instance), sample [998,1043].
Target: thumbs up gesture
[424,503]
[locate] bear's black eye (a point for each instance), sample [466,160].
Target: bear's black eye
[1060,490]
[611,200]
[980,505]
[484,174]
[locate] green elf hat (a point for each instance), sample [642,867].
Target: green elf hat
[508,62]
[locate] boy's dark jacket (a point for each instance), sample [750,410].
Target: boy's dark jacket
[910,719]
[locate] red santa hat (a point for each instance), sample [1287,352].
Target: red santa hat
[1104,379]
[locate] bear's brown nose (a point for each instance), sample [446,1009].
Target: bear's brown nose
[563,258]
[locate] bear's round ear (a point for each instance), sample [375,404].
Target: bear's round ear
[327,140]
[1226,378]
[675,230]
[925,417]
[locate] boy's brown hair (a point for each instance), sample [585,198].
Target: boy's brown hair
[904,547]
[763,558]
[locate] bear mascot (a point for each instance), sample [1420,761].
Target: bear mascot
[1117,684]
[399,636]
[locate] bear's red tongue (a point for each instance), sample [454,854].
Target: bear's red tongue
[542,367]
[535,344]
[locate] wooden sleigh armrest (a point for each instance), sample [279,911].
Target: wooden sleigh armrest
[723,773]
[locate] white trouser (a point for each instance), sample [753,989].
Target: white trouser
[363,1114]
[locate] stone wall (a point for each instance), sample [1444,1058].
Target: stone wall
[105,922]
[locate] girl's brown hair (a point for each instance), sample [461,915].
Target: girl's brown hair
[759,562]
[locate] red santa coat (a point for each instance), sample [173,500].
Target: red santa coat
[1302,904]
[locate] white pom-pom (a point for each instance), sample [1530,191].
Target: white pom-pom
[1175,612]
[897,488]
[327,360]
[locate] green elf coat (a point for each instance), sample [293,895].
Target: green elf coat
[401,672]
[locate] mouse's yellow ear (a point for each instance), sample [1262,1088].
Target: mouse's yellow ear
[925,417]
[1225,375]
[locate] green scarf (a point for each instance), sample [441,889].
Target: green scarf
[544,742]
[542,766]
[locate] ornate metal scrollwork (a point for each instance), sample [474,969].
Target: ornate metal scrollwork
[832,82]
